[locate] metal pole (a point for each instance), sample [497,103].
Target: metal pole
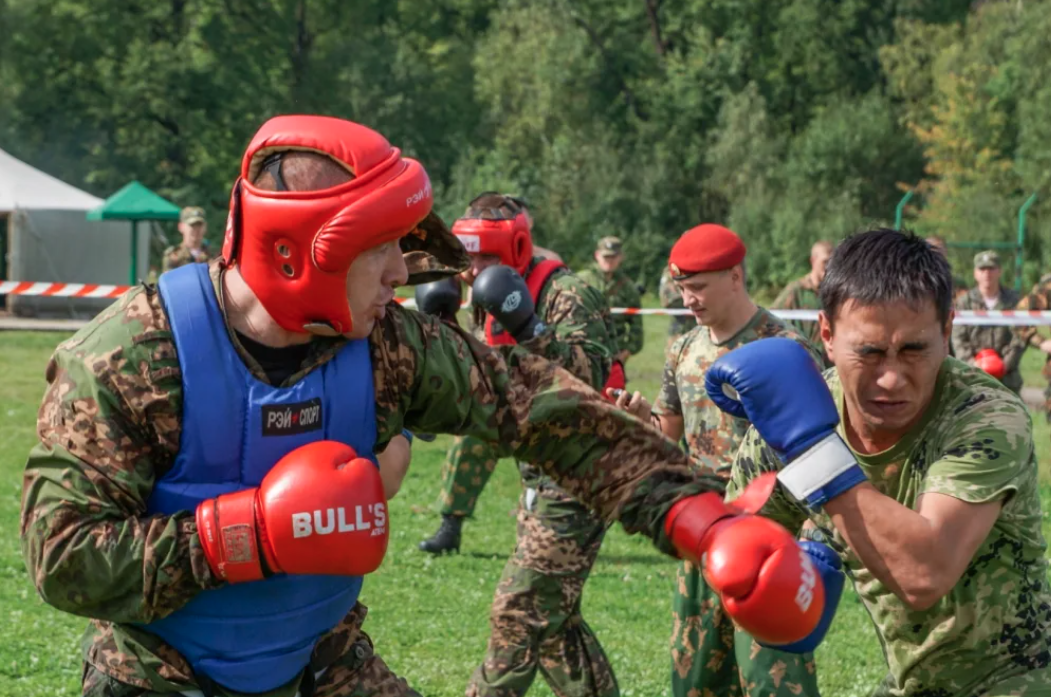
[1021,241]
[133,272]
[901,209]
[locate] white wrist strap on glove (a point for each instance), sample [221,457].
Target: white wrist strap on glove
[823,472]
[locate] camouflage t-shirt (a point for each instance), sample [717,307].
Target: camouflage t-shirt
[712,435]
[975,444]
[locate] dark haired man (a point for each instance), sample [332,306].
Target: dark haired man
[920,468]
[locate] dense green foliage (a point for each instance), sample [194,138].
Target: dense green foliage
[790,120]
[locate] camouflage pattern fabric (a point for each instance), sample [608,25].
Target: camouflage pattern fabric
[468,466]
[968,340]
[181,255]
[709,656]
[110,425]
[352,669]
[671,299]
[619,291]
[582,325]
[991,634]
[535,623]
[1031,337]
[801,294]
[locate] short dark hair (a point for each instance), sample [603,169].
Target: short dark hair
[884,266]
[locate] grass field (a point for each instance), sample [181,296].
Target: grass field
[428,617]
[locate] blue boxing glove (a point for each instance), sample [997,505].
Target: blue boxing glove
[775,384]
[829,568]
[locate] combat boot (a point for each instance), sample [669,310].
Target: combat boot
[447,539]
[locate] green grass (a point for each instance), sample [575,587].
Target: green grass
[428,617]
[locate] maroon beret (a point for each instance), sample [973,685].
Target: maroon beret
[706,247]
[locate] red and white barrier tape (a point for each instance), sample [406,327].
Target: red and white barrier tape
[1000,318]
[61,290]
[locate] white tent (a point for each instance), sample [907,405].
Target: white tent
[44,236]
[22,186]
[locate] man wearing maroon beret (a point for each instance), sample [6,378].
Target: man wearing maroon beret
[708,655]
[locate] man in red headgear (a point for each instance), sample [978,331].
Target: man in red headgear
[708,655]
[559,538]
[205,486]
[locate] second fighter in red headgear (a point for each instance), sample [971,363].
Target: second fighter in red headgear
[504,232]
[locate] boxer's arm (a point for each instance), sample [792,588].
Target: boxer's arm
[435,378]
[394,464]
[986,455]
[578,337]
[109,418]
[920,555]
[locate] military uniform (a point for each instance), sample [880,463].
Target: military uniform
[990,636]
[671,299]
[536,623]
[1039,299]
[110,426]
[968,340]
[801,294]
[709,656]
[581,321]
[619,291]
[180,255]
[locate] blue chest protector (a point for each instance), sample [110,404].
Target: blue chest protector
[252,637]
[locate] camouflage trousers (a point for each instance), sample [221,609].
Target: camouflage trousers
[467,469]
[535,621]
[356,671]
[712,658]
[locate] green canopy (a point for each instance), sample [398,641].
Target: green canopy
[135,202]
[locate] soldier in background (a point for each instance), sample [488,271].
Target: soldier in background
[989,294]
[193,227]
[606,277]
[801,294]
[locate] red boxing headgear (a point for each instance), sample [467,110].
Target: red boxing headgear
[503,230]
[294,248]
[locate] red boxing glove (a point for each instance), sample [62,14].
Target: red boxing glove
[319,510]
[990,361]
[767,584]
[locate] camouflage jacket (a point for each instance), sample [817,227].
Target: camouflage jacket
[712,435]
[619,291]
[180,255]
[801,294]
[1039,299]
[968,340]
[583,340]
[671,299]
[974,443]
[109,427]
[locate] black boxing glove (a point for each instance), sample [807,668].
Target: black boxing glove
[501,292]
[439,298]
